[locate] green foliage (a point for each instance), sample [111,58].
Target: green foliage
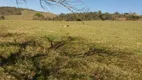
[38,16]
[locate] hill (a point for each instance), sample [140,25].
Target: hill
[12,13]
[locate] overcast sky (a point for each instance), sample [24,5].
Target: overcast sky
[93,5]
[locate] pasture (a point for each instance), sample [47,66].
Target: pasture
[98,50]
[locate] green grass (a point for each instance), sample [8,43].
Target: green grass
[113,34]
[46,50]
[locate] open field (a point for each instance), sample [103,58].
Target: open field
[113,34]
[98,50]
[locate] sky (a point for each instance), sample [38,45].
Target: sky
[88,5]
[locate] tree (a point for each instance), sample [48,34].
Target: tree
[100,14]
[116,13]
[106,16]
[38,16]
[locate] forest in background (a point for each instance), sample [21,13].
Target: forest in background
[98,15]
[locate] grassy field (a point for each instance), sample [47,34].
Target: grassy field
[46,50]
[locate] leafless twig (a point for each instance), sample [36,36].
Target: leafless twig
[64,3]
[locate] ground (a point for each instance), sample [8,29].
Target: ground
[98,50]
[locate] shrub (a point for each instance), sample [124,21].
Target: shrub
[38,16]
[2,17]
[78,20]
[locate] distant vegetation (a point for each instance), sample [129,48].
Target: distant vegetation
[28,14]
[87,16]
[10,11]
[38,16]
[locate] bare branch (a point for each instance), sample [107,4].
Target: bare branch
[65,3]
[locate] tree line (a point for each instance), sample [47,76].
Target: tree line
[98,15]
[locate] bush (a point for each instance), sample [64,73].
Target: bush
[78,20]
[38,16]
[2,17]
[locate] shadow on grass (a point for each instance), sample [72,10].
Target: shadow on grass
[35,60]
[15,57]
[104,52]
[7,34]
